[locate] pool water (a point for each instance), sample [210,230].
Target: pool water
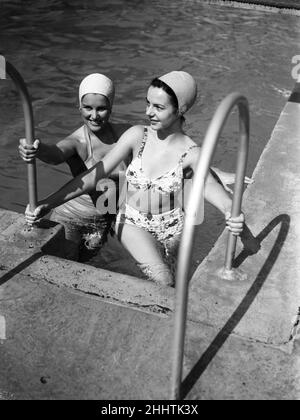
[55,43]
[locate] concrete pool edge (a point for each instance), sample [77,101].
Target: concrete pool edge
[116,287]
[252,355]
[268,7]
[265,307]
[32,258]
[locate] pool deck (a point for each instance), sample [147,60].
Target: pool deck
[291,7]
[71,331]
[275,3]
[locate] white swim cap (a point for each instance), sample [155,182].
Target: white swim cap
[97,83]
[184,87]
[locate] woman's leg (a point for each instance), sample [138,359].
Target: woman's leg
[171,248]
[95,236]
[72,237]
[145,250]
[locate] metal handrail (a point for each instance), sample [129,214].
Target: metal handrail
[8,68]
[197,191]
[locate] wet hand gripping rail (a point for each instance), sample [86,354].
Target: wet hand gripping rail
[8,68]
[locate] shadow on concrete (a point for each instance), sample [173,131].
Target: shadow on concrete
[252,243]
[20,267]
[40,239]
[243,307]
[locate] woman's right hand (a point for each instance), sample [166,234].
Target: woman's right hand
[39,212]
[28,151]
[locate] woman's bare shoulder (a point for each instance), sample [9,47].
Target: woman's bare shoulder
[137,130]
[134,134]
[74,140]
[77,135]
[189,142]
[193,152]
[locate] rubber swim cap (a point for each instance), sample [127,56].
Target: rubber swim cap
[97,83]
[184,87]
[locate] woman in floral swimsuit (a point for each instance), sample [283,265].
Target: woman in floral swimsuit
[150,221]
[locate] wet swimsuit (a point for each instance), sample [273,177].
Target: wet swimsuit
[166,227]
[167,183]
[163,225]
[81,220]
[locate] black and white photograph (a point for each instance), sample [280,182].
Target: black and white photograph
[149,203]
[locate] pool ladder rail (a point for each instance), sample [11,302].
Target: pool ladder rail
[208,148]
[184,258]
[7,68]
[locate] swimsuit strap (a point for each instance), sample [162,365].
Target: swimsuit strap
[145,136]
[185,153]
[88,143]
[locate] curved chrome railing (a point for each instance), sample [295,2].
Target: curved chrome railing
[8,68]
[197,191]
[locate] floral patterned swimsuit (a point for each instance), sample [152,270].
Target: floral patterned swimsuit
[166,227]
[163,226]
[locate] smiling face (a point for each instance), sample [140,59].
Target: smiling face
[160,110]
[95,111]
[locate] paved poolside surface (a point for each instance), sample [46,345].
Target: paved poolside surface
[275,3]
[280,4]
[70,331]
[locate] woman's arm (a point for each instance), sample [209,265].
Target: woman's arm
[87,181]
[54,154]
[227,178]
[217,196]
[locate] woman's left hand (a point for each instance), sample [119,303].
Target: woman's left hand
[34,216]
[235,224]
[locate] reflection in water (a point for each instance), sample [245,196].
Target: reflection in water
[54,44]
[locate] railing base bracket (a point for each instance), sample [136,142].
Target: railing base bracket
[236,275]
